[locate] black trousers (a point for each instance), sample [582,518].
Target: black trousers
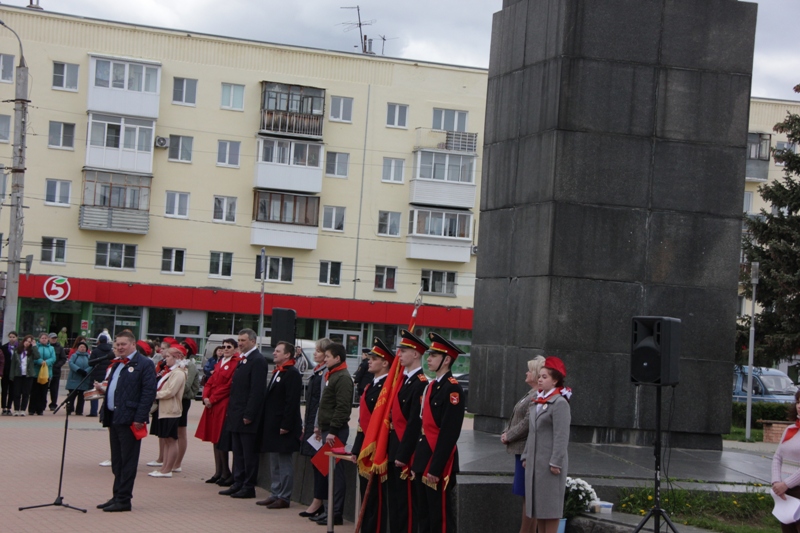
[437,507]
[6,397]
[55,381]
[245,460]
[339,483]
[402,501]
[320,485]
[71,403]
[124,461]
[375,512]
[22,392]
[38,397]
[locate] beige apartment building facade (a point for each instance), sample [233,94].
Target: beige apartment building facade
[160,162]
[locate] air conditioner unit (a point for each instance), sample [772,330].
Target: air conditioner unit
[474,250]
[162,142]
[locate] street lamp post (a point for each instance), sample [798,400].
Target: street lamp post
[754,281]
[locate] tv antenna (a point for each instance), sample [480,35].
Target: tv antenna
[383,43]
[353,25]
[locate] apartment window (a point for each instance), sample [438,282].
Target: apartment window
[439,282]
[306,154]
[220,265]
[748,202]
[440,223]
[131,76]
[275,151]
[396,115]
[180,148]
[228,153]
[224,209]
[384,278]
[62,135]
[446,167]
[177,204]
[184,91]
[232,96]
[107,131]
[54,250]
[388,223]
[333,218]
[138,135]
[449,120]
[172,260]
[330,273]
[336,164]
[65,76]
[5,128]
[6,68]
[115,255]
[278,268]
[57,192]
[758,146]
[287,209]
[393,169]
[293,98]
[341,109]
[104,189]
[782,146]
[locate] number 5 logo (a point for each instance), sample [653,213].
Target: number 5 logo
[57,288]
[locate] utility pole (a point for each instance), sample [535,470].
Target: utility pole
[263,259]
[15,230]
[751,352]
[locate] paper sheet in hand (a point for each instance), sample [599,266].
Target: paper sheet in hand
[786,511]
[316,444]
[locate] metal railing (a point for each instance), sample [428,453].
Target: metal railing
[294,123]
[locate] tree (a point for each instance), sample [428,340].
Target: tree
[773,239]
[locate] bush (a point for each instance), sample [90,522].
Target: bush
[762,411]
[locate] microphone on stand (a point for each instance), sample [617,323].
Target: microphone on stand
[102,359]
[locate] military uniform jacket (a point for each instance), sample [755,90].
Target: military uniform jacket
[248,388]
[409,397]
[446,404]
[371,393]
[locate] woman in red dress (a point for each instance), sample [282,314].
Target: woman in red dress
[216,394]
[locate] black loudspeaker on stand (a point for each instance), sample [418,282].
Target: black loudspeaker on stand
[655,351]
[283,326]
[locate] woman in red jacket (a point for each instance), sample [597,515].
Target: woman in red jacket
[216,394]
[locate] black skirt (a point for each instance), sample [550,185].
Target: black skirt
[164,428]
[183,421]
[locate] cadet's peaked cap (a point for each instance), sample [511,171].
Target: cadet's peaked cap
[409,340]
[379,349]
[444,346]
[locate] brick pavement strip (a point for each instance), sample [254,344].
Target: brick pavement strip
[185,503]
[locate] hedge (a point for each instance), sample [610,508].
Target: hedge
[762,411]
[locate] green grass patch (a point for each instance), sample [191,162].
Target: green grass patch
[737,434]
[744,512]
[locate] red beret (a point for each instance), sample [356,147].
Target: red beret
[181,349]
[144,348]
[191,344]
[554,363]
[170,340]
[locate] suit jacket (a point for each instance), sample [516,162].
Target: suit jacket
[517,429]
[410,398]
[248,388]
[135,392]
[446,403]
[370,398]
[282,411]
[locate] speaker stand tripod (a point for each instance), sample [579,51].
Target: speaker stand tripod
[657,512]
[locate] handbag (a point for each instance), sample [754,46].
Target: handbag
[44,375]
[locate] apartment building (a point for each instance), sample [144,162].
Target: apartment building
[161,162]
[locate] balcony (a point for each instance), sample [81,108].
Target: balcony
[122,86]
[292,110]
[280,235]
[444,193]
[288,177]
[119,159]
[757,170]
[438,248]
[114,219]
[288,123]
[454,141]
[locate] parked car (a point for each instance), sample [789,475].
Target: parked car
[769,385]
[463,380]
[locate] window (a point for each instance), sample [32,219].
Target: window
[65,76]
[278,268]
[393,170]
[384,278]
[440,224]
[333,218]
[228,153]
[5,128]
[54,250]
[330,273]
[758,146]
[115,255]
[782,146]
[449,120]
[388,223]
[107,131]
[341,109]
[293,98]
[305,154]
[396,115]
[438,282]
[232,96]
[104,189]
[336,164]
[287,209]
[274,151]
[57,192]
[184,91]
[742,311]
[748,202]
[6,68]
[172,260]
[180,148]
[224,209]
[220,264]
[177,204]
[289,153]
[62,135]
[130,76]
[447,167]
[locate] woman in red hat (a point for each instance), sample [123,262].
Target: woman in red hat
[545,454]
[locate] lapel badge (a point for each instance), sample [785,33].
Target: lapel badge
[244,361]
[225,367]
[130,369]
[544,408]
[278,379]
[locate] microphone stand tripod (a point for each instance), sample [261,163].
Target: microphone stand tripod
[59,502]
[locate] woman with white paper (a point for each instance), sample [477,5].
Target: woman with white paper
[785,471]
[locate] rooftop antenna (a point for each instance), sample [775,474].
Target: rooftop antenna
[383,43]
[359,24]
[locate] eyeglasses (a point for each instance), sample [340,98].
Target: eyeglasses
[227,347]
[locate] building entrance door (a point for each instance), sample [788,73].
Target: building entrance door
[191,324]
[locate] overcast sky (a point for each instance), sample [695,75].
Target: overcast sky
[448,31]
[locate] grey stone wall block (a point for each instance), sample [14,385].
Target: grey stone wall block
[539,106]
[492,110]
[491,317]
[495,258]
[516,367]
[529,312]
[509,93]
[499,175]
[536,168]
[545,30]
[533,232]
[508,36]
[486,394]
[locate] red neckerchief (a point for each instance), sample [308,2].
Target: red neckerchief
[341,366]
[791,431]
[284,366]
[563,391]
[161,376]
[431,432]
[318,367]
[123,360]
[160,366]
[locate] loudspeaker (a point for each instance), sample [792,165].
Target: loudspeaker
[283,324]
[655,350]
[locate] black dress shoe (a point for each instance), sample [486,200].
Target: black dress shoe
[337,521]
[227,482]
[244,494]
[229,491]
[117,508]
[321,518]
[268,501]
[306,514]
[106,504]
[212,479]
[279,504]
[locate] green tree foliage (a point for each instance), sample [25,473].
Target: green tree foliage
[773,239]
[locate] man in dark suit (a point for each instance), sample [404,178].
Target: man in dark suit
[130,393]
[283,425]
[248,387]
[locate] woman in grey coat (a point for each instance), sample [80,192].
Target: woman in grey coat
[516,435]
[545,454]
